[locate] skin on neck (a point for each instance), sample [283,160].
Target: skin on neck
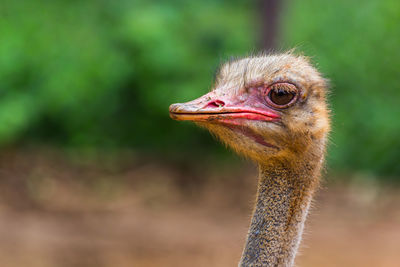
[283,199]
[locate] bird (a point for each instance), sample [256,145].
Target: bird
[272,109]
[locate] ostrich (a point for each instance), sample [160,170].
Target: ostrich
[271,109]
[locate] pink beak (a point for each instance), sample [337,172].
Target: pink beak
[210,108]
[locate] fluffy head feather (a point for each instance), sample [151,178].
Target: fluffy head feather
[302,127]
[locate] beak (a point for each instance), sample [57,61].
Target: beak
[210,108]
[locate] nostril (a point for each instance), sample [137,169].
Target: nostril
[215,104]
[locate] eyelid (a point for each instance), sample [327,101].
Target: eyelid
[259,84]
[288,87]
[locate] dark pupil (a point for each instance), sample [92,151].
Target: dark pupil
[281,97]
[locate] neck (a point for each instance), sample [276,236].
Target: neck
[283,200]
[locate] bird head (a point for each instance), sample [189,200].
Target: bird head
[268,107]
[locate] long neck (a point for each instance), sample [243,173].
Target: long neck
[283,200]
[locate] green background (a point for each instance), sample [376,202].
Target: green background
[101,74]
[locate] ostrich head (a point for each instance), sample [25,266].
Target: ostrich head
[269,108]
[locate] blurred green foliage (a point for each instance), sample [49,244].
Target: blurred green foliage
[356,46]
[103,73]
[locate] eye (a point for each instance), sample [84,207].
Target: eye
[281,95]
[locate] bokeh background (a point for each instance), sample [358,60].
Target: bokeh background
[94,173]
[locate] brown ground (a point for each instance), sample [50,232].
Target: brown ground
[65,211]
